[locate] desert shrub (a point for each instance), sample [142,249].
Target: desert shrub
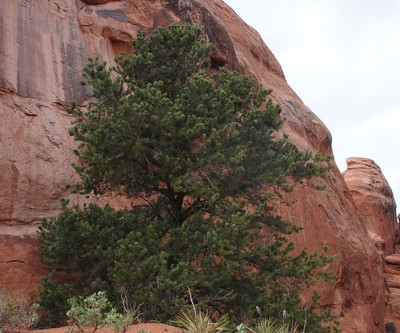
[89,311]
[96,311]
[16,313]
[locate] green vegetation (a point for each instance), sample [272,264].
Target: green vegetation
[269,326]
[196,321]
[96,311]
[200,152]
[16,314]
[53,300]
[390,328]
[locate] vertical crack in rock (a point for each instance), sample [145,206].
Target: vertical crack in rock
[22,84]
[13,189]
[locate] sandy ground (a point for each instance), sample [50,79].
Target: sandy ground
[149,327]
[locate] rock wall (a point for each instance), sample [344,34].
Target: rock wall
[20,265]
[44,45]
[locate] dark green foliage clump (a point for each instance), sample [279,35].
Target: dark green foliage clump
[199,150]
[390,328]
[54,300]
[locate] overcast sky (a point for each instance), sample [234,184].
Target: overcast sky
[342,57]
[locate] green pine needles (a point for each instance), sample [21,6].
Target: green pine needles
[200,149]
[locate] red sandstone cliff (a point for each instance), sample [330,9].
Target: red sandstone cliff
[44,45]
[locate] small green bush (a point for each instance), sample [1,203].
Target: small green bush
[89,311]
[95,310]
[16,313]
[390,328]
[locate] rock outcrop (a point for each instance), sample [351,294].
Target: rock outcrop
[44,45]
[374,199]
[392,278]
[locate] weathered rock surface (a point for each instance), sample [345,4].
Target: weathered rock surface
[20,264]
[392,278]
[36,158]
[374,199]
[44,45]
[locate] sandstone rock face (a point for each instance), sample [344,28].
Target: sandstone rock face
[36,151]
[20,264]
[44,45]
[374,199]
[392,278]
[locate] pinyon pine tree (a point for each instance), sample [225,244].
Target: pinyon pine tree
[199,149]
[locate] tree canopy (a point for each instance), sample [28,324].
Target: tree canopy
[201,149]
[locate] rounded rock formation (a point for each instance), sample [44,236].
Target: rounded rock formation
[374,199]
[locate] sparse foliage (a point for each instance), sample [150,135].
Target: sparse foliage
[16,313]
[89,311]
[96,311]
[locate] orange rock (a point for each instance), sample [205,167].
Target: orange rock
[392,269]
[379,242]
[393,306]
[393,280]
[393,259]
[20,264]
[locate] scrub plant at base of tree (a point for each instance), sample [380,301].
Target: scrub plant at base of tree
[96,311]
[16,313]
[200,150]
